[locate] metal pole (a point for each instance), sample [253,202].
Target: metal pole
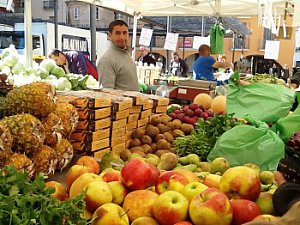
[27,30]
[93,32]
[135,21]
[202,26]
[169,30]
[233,47]
[55,25]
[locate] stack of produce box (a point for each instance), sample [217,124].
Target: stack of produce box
[93,130]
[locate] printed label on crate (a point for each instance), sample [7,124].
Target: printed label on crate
[93,125]
[136,109]
[118,132]
[118,124]
[133,117]
[120,115]
[82,135]
[145,114]
[90,114]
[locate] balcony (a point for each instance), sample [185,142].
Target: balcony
[48,4]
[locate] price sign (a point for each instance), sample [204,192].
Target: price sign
[145,37]
[272,49]
[171,41]
[198,41]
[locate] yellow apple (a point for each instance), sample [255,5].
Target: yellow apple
[90,162]
[139,203]
[192,189]
[60,192]
[79,184]
[170,180]
[119,191]
[144,220]
[110,174]
[97,193]
[74,172]
[212,180]
[110,214]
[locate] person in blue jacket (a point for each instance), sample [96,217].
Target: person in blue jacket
[203,66]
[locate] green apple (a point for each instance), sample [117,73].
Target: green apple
[211,207]
[267,177]
[170,207]
[110,214]
[265,203]
[139,203]
[192,189]
[97,193]
[119,191]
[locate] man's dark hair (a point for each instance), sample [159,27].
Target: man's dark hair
[55,52]
[116,23]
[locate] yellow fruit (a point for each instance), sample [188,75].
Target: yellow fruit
[5,145]
[64,153]
[218,104]
[53,128]
[204,100]
[44,160]
[21,162]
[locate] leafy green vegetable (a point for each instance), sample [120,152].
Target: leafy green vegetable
[26,202]
[58,72]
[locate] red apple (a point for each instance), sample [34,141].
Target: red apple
[192,177]
[74,172]
[212,180]
[89,162]
[211,207]
[110,174]
[137,174]
[265,203]
[144,220]
[97,193]
[154,174]
[170,180]
[183,223]
[170,207]
[243,211]
[110,214]
[139,203]
[240,182]
[60,192]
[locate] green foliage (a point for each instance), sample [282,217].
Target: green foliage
[26,202]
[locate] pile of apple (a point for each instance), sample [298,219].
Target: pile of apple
[140,194]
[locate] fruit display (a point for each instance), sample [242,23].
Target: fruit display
[265,78]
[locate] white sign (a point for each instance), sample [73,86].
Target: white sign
[272,49]
[145,37]
[198,41]
[171,41]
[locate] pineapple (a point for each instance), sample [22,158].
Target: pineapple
[53,128]
[37,98]
[68,115]
[44,160]
[27,132]
[5,145]
[64,153]
[21,162]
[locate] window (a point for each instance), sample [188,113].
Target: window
[76,13]
[97,13]
[48,4]
[268,35]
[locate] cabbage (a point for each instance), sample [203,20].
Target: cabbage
[20,79]
[48,64]
[63,84]
[51,77]
[10,60]
[91,82]
[18,68]
[42,72]
[58,72]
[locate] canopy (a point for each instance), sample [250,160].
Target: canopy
[203,7]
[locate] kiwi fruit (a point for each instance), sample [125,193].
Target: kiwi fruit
[187,128]
[177,133]
[155,120]
[134,142]
[158,137]
[176,124]
[124,154]
[154,147]
[165,119]
[139,148]
[146,139]
[162,144]
[169,137]
[152,131]
[138,133]
[163,128]
[159,153]
[146,148]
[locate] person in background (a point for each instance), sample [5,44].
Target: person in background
[285,73]
[116,68]
[178,66]
[146,57]
[203,66]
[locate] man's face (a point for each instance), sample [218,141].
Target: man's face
[119,36]
[59,60]
[175,57]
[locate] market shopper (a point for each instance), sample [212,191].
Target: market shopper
[178,66]
[146,56]
[74,62]
[203,66]
[116,68]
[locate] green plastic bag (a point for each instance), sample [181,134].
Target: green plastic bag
[264,102]
[217,33]
[286,127]
[250,144]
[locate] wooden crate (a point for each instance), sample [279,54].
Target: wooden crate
[90,114]
[133,117]
[145,114]
[148,105]
[118,132]
[136,109]
[89,136]
[90,146]
[143,122]
[118,148]
[160,109]
[91,125]
[98,154]
[118,124]
[131,125]
[117,140]
[120,115]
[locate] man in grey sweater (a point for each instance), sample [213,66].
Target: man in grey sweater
[116,68]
